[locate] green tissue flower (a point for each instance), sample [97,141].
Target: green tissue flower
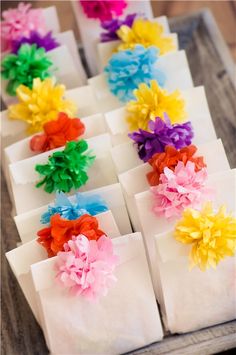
[66,169]
[29,63]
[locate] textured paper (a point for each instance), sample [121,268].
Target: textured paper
[174,65]
[24,177]
[90,29]
[197,112]
[224,183]
[134,181]
[21,258]
[126,319]
[28,223]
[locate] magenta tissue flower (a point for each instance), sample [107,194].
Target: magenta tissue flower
[86,266]
[162,133]
[19,23]
[113,25]
[180,189]
[103,10]
[42,41]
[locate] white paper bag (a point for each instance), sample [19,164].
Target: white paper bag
[90,29]
[224,184]
[21,258]
[28,223]
[126,319]
[173,65]
[134,181]
[197,112]
[51,19]
[23,176]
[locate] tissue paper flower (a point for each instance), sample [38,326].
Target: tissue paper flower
[180,189]
[127,69]
[30,62]
[211,234]
[20,22]
[86,267]
[66,169]
[57,133]
[146,33]
[162,134]
[61,231]
[84,204]
[41,41]
[152,102]
[41,104]
[111,26]
[170,158]
[103,10]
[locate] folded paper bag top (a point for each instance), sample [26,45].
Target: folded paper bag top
[130,301]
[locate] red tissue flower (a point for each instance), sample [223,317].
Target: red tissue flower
[103,10]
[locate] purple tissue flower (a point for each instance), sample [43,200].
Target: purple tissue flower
[112,26]
[162,134]
[45,41]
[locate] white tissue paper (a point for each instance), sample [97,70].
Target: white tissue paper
[28,223]
[21,258]
[23,176]
[224,185]
[90,29]
[197,112]
[125,319]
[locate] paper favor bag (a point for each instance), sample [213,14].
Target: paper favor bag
[90,29]
[224,185]
[125,319]
[208,296]
[134,181]
[197,112]
[24,177]
[51,19]
[29,223]
[21,258]
[173,65]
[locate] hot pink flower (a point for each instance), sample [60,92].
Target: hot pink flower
[179,189]
[86,266]
[20,22]
[103,10]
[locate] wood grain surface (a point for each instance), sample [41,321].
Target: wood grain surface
[20,333]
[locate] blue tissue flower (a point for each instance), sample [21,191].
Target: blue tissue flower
[84,204]
[127,69]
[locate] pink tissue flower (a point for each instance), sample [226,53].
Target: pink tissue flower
[20,22]
[86,266]
[180,189]
[103,10]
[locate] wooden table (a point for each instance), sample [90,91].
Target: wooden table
[211,66]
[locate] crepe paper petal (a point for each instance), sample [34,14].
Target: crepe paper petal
[92,204]
[67,169]
[40,104]
[211,234]
[30,62]
[111,26]
[41,41]
[19,22]
[161,134]
[170,158]
[180,189]
[103,10]
[146,33]
[86,267]
[151,102]
[62,230]
[57,133]
[126,70]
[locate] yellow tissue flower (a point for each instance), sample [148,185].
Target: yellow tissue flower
[212,235]
[40,104]
[146,33]
[152,102]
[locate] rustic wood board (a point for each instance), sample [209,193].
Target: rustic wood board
[212,67]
